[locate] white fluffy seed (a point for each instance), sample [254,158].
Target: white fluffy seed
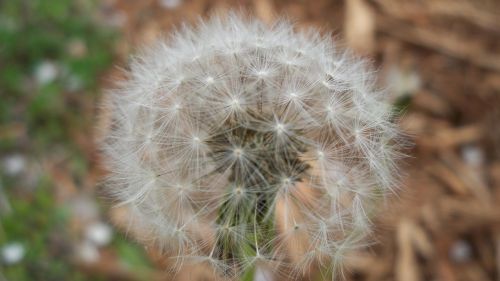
[265,126]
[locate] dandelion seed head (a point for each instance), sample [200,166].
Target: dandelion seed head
[235,144]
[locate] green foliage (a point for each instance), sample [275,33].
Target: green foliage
[39,117]
[38,223]
[131,254]
[35,32]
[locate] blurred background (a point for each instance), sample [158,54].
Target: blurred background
[438,59]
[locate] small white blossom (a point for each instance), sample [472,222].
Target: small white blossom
[99,233]
[460,251]
[473,155]
[88,252]
[14,164]
[170,4]
[235,144]
[46,72]
[12,253]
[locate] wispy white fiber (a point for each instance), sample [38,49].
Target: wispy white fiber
[234,143]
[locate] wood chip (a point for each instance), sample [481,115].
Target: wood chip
[406,268]
[442,41]
[359,27]
[452,137]
[264,10]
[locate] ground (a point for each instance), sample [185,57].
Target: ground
[439,60]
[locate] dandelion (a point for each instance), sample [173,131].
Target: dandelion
[238,145]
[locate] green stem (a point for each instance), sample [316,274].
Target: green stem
[249,274]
